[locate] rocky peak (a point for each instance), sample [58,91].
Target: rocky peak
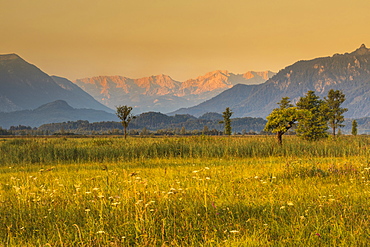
[9,57]
[361,51]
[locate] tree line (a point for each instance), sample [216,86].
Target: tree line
[311,116]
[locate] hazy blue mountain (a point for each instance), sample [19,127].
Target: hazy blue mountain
[54,112]
[24,86]
[348,72]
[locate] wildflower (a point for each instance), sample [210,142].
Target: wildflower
[234,231]
[282,207]
[100,232]
[87,210]
[290,203]
[207,168]
[95,189]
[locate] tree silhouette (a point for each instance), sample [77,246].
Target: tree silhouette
[227,121]
[334,111]
[124,113]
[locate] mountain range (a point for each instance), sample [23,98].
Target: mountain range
[161,92]
[349,72]
[28,92]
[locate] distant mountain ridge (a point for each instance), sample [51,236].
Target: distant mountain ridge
[161,92]
[53,112]
[24,86]
[349,72]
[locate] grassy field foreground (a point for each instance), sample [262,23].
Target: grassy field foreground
[191,191]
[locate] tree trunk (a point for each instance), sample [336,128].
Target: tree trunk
[334,131]
[280,137]
[125,131]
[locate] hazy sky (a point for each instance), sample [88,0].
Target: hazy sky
[180,38]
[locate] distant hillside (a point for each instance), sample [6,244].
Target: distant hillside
[24,86]
[349,72]
[162,93]
[154,121]
[54,112]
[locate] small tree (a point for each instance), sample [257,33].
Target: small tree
[205,130]
[144,132]
[313,126]
[354,127]
[124,113]
[183,131]
[227,121]
[334,111]
[282,119]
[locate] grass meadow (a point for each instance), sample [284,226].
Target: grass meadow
[184,191]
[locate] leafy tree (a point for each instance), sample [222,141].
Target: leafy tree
[314,125]
[285,103]
[227,121]
[124,113]
[144,132]
[205,130]
[334,111]
[282,119]
[354,127]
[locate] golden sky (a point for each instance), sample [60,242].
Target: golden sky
[180,38]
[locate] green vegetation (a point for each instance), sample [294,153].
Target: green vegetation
[282,119]
[312,126]
[227,121]
[153,122]
[354,128]
[184,191]
[312,113]
[334,111]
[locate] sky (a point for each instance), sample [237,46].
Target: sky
[182,39]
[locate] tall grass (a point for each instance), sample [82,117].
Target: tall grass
[184,192]
[64,151]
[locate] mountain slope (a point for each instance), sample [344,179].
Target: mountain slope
[24,86]
[348,72]
[162,93]
[54,112]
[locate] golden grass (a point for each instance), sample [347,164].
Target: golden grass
[184,192]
